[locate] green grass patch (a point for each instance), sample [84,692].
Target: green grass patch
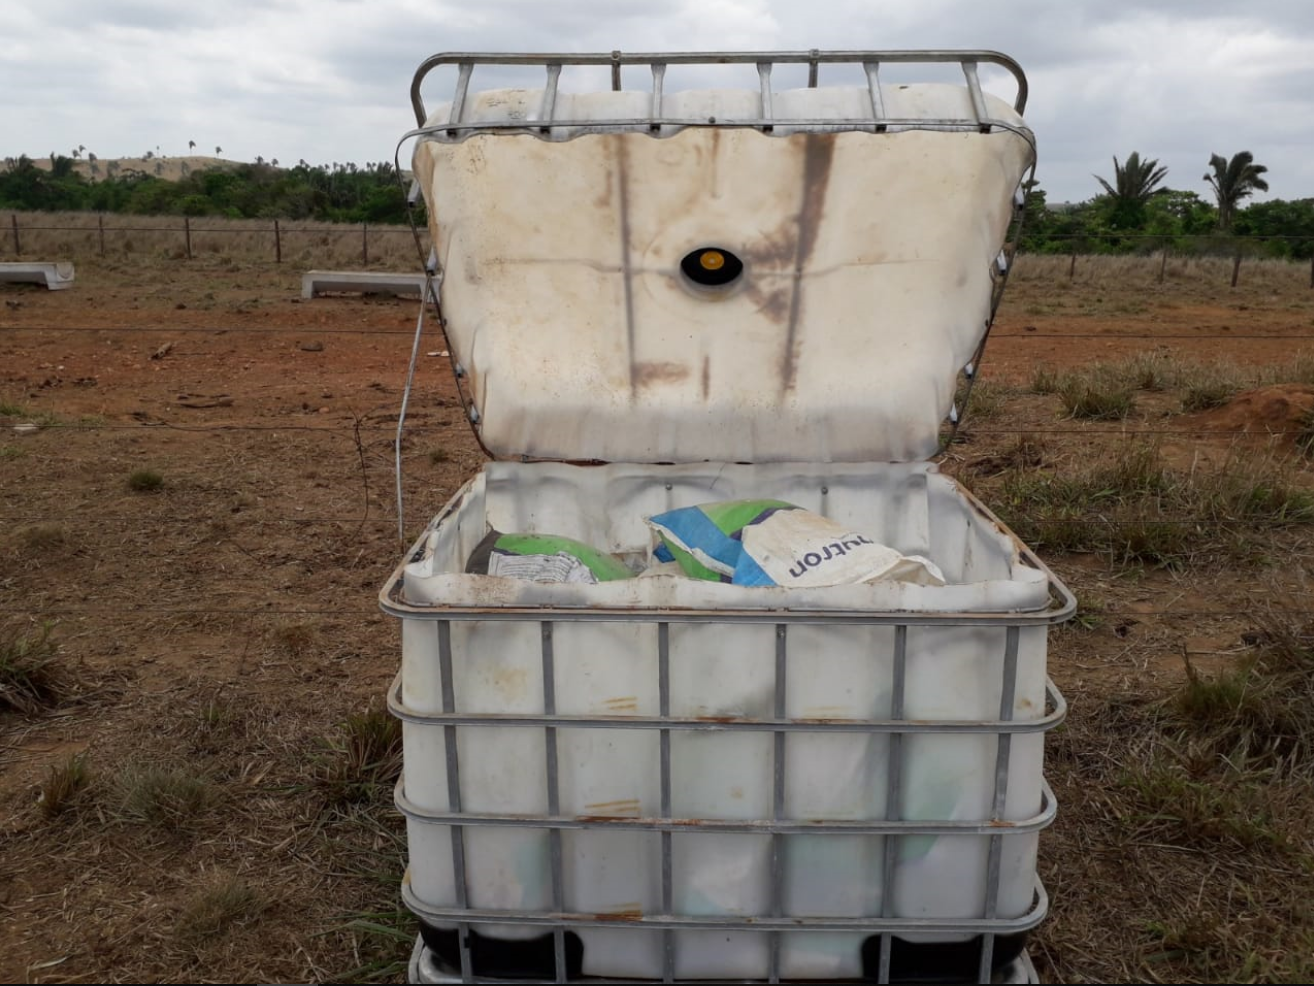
[159,795]
[145,481]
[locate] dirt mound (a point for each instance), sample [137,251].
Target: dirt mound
[1283,409]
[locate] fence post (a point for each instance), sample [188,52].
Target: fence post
[1163,263]
[278,244]
[1236,268]
[18,247]
[1072,267]
[365,244]
[187,233]
[100,227]
[1311,271]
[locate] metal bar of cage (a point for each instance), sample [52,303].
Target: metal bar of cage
[813,59]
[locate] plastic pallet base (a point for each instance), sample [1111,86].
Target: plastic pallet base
[424,968]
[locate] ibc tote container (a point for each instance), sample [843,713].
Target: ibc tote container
[665,779]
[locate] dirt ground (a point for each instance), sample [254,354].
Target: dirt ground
[225,623]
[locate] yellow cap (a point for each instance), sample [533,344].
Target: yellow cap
[712,260]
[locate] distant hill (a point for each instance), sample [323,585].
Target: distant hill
[168,168]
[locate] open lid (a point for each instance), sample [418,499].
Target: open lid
[725,275]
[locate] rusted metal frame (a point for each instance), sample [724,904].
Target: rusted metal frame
[1055,702]
[864,925]
[872,827]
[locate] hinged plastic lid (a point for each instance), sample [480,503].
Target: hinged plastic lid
[627,283]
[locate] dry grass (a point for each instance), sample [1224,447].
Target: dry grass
[1137,510]
[363,759]
[30,676]
[1204,792]
[1118,277]
[220,904]
[76,236]
[65,785]
[167,797]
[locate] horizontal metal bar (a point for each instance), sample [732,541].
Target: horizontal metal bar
[810,124]
[1055,702]
[868,925]
[812,58]
[390,602]
[783,826]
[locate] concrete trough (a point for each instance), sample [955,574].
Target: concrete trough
[318,282]
[55,276]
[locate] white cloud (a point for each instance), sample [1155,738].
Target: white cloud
[329,80]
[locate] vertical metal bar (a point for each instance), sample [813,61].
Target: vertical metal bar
[979,109]
[549,108]
[893,792]
[664,710]
[187,238]
[462,87]
[454,793]
[1007,700]
[615,71]
[812,68]
[764,78]
[278,244]
[658,80]
[553,797]
[873,70]
[778,800]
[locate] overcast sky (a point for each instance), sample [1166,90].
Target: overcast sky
[329,80]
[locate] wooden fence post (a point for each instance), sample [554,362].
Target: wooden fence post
[1072,267]
[187,234]
[18,247]
[365,244]
[278,244]
[1163,264]
[1236,268]
[100,228]
[1311,271]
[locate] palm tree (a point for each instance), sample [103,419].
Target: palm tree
[1134,181]
[191,145]
[1134,184]
[218,151]
[1233,181]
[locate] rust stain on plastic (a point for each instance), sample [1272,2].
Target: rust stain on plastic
[818,155]
[707,377]
[628,915]
[654,374]
[611,810]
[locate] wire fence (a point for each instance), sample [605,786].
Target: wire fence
[77,236]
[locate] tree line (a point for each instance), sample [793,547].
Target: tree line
[338,193]
[1133,212]
[1137,212]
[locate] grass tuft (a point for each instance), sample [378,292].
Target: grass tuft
[214,908]
[64,785]
[30,679]
[160,795]
[145,481]
[364,757]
